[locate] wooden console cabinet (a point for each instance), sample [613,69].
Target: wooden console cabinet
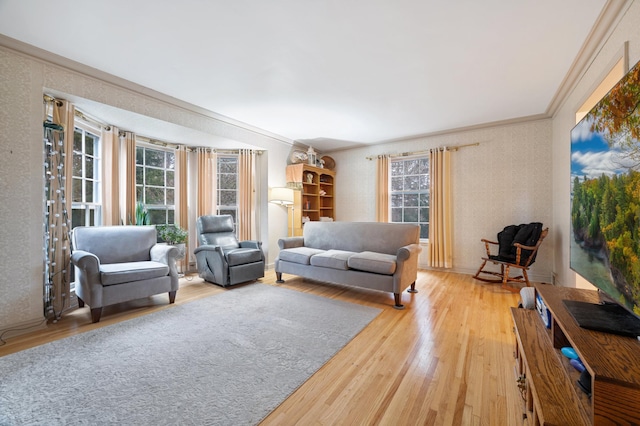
[549,383]
[315,200]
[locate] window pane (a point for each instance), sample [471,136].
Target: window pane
[411,183]
[139,155]
[77,140]
[170,178]
[397,183]
[424,214]
[139,175]
[154,195]
[77,165]
[397,168]
[227,182]
[89,143]
[396,200]
[154,158]
[88,192]
[77,190]
[227,198]
[424,182]
[232,212]
[92,217]
[411,200]
[227,165]
[170,197]
[412,167]
[154,177]
[171,160]
[396,215]
[424,166]
[410,215]
[139,194]
[171,217]
[157,216]
[77,217]
[424,231]
[88,170]
[424,199]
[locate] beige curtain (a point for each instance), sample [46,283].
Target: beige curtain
[182,211]
[128,177]
[382,186]
[110,176]
[440,215]
[246,223]
[58,147]
[207,170]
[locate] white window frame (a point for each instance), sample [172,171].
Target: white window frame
[141,188]
[93,208]
[408,191]
[222,173]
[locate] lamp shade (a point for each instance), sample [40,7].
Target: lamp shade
[282,196]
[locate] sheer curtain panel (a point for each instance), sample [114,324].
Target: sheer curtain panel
[207,170]
[246,195]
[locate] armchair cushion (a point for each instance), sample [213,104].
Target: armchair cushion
[241,256]
[118,273]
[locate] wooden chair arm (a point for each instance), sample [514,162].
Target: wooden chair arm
[486,245]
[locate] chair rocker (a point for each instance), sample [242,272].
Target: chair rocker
[517,249]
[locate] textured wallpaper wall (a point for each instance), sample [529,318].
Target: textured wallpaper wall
[23,79]
[504,180]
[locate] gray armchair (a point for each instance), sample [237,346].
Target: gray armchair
[115,264]
[221,258]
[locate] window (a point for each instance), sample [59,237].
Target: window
[410,192]
[155,183]
[86,202]
[227,185]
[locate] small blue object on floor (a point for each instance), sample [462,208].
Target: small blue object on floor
[577,364]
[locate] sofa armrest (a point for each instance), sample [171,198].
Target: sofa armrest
[290,242]
[86,261]
[406,267]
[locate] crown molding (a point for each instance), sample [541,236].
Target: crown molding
[77,67]
[602,29]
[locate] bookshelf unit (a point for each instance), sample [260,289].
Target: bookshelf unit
[315,199]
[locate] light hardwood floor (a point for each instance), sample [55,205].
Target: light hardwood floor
[446,359]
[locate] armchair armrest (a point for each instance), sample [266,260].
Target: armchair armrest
[86,261]
[164,253]
[251,244]
[290,242]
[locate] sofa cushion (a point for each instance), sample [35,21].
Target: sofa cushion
[242,256]
[118,273]
[377,263]
[335,259]
[301,255]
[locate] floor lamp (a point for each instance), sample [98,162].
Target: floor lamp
[283,197]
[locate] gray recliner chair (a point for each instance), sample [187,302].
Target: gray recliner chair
[221,258]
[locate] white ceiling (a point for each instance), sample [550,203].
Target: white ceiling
[333,73]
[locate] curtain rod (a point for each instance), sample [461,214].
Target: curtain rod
[426,151]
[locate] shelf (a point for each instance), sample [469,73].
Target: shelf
[318,205]
[612,361]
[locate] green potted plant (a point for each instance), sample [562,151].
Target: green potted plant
[173,235]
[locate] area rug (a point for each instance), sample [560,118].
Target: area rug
[228,359]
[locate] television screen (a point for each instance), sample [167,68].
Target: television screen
[605,193]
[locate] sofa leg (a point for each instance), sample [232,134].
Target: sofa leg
[172,296]
[279,279]
[80,303]
[398,305]
[96,313]
[413,288]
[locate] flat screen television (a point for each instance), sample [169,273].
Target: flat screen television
[605,205]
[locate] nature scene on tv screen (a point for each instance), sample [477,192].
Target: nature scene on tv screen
[605,193]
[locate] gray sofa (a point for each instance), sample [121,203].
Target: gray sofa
[379,256]
[115,264]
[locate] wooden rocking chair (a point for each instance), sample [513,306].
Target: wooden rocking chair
[518,247]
